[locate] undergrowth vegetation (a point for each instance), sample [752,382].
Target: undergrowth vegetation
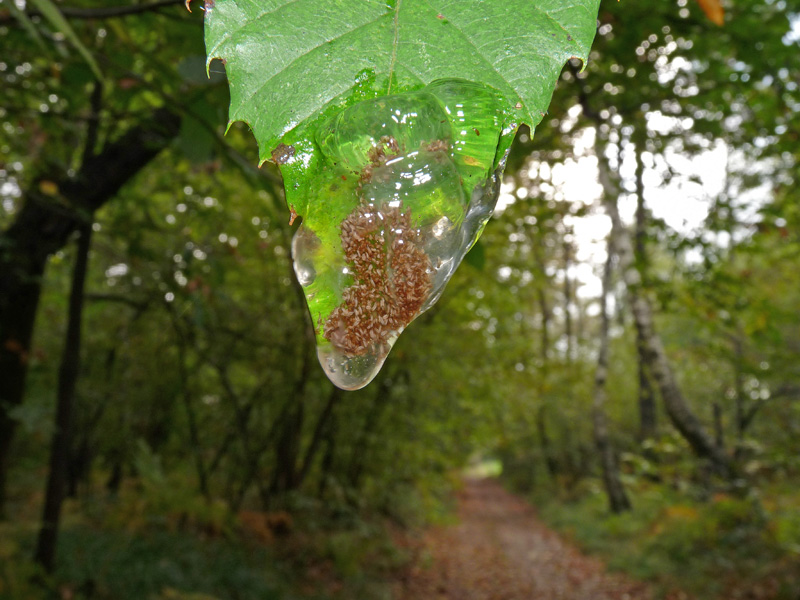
[683,534]
[155,539]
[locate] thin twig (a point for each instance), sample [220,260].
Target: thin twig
[116,11]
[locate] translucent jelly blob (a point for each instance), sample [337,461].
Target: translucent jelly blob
[400,190]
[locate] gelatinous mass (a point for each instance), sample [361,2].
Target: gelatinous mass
[403,187]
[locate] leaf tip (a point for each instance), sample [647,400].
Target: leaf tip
[582,60]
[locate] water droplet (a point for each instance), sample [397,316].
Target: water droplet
[441,227]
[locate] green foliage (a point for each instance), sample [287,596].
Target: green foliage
[196,354]
[57,20]
[113,563]
[16,572]
[164,565]
[706,548]
[166,501]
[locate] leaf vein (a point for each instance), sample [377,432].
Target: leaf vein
[339,37]
[394,45]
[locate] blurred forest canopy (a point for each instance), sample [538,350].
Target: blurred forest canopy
[199,417]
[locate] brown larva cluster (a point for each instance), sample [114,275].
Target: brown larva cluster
[438,146]
[386,149]
[392,279]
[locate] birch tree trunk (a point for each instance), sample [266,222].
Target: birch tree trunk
[647,398]
[541,412]
[567,248]
[617,498]
[675,404]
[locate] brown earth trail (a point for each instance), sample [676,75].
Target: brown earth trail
[500,550]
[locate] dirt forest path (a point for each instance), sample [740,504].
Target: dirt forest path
[500,550]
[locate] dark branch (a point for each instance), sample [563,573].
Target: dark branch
[138,305]
[103,174]
[93,122]
[116,11]
[792,392]
[44,223]
[109,12]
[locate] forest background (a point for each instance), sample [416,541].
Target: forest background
[208,453]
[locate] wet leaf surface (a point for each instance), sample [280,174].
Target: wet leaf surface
[287,60]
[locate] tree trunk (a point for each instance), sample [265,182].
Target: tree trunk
[677,408]
[319,433]
[329,456]
[544,306]
[647,398]
[541,413]
[62,434]
[544,439]
[568,300]
[287,449]
[719,428]
[617,498]
[738,378]
[196,447]
[42,227]
[361,447]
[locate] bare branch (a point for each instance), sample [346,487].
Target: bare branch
[108,12]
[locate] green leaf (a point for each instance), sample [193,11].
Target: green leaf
[27,24]
[289,60]
[51,13]
[476,257]
[196,139]
[391,123]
